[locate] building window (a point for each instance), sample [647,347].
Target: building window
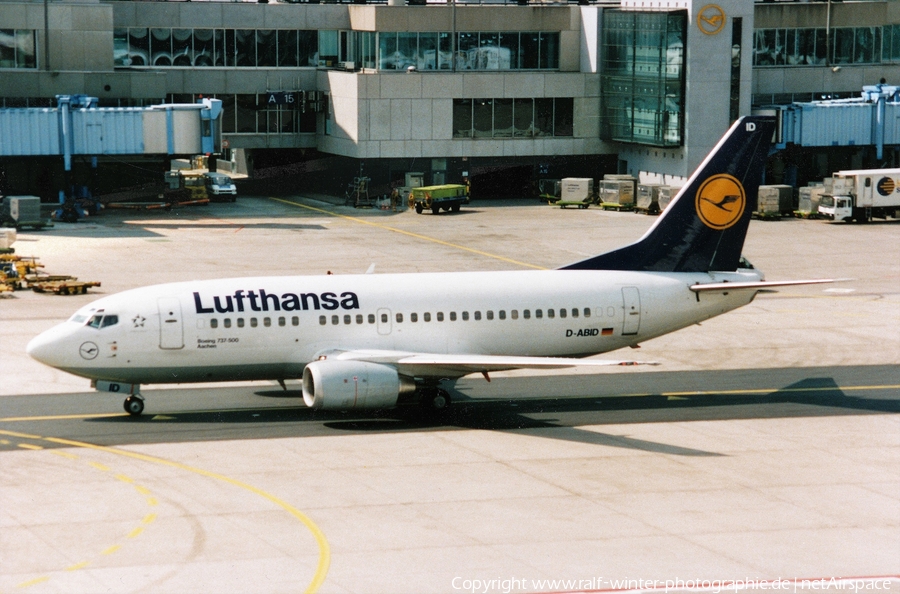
[643,77]
[809,46]
[474,50]
[519,118]
[17,48]
[135,47]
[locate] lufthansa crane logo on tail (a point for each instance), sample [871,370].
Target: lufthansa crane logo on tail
[720,201]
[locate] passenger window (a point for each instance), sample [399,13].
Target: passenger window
[490,314]
[539,313]
[214,323]
[413,317]
[359,318]
[347,319]
[465,316]
[253,322]
[574,312]
[227,322]
[587,312]
[384,318]
[562,313]
[295,321]
[267,322]
[526,314]
[322,320]
[426,317]
[440,316]
[372,318]
[452,316]
[514,314]
[240,322]
[281,321]
[399,317]
[335,320]
[611,311]
[502,314]
[550,313]
[477,315]
[109,320]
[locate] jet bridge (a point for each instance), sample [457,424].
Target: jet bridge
[78,127]
[872,119]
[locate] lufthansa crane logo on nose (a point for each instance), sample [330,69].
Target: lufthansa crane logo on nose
[720,201]
[89,350]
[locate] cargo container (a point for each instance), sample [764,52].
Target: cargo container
[809,197]
[862,194]
[775,201]
[616,193]
[21,211]
[666,193]
[576,189]
[648,198]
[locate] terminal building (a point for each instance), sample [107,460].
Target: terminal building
[499,93]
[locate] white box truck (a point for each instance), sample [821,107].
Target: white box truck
[862,194]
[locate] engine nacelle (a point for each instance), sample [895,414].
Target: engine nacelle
[347,385]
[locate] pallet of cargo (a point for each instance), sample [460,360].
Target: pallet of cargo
[767,216]
[566,203]
[617,206]
[652,210]
[69,286]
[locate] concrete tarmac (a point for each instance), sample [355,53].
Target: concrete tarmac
[766,446]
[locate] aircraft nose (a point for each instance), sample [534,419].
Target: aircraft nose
[45,347]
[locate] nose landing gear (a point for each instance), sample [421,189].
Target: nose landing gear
[134,405]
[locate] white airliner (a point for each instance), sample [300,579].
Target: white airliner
[378,341]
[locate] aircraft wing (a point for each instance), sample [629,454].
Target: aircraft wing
[757,286]
[438,365]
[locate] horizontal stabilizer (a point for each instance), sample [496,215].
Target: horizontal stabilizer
[757,286]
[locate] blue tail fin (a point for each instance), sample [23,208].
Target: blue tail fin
[704,227]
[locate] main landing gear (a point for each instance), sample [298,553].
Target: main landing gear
[134,405]
[434,398]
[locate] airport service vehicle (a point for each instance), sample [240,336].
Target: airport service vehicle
[863,194]
[378,341]
[220,185]
[435,198]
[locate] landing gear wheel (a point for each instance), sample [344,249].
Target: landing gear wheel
[134,405]
[435,399]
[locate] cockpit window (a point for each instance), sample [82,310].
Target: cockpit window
[78,318]
[101,320]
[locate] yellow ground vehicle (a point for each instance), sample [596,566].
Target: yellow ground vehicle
[435,198]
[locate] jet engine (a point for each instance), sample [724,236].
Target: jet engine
[347,385]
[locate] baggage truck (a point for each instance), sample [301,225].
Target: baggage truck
[862,194]
[435,198]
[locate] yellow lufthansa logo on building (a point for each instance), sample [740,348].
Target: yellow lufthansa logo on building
[720,201]
[711,19]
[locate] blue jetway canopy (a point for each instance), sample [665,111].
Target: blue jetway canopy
[78,127]
[873,119]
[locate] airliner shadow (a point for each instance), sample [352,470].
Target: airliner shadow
[559,417]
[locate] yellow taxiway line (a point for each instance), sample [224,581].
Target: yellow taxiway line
[408,233]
